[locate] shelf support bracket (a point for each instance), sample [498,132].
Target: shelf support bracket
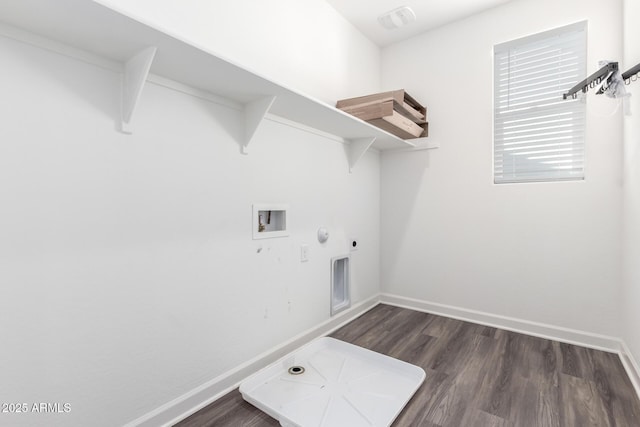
[356,149]
[136,71]
[254,113]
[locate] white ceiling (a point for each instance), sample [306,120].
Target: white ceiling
[363,14]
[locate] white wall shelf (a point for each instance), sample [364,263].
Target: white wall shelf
[141,50]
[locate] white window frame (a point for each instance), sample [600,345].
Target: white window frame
[543,140]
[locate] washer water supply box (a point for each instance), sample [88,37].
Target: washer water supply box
[395,111]
[331,383]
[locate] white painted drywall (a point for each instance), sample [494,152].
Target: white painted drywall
[303,44]
[631,186]
[129,274]
[542,252]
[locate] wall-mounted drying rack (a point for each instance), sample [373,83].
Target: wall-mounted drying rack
[604,74]
[91,32]
[631,75]
[593,80]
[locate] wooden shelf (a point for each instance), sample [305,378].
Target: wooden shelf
[143,51]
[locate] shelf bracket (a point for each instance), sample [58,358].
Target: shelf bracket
[254,113]
[136,71]
[356,149]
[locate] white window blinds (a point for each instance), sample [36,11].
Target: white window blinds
[538,136]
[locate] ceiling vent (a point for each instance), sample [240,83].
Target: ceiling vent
[397,18]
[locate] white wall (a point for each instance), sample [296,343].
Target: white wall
[303,44]
[542,252]
[129,275]
[632,184]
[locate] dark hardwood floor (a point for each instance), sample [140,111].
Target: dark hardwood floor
[477,376]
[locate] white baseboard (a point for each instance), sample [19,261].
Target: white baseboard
[542,330]
[196,399]
[631,366]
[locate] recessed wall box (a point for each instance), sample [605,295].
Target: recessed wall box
[340,284]
[269,220]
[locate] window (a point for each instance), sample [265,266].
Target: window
[538,136]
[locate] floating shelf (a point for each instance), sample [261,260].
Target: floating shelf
[142,50]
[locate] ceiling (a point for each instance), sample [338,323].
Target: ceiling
[363,14]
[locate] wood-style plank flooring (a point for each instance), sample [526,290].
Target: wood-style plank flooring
[477,376]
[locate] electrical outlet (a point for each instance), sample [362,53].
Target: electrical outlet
[354,244]
[304,253]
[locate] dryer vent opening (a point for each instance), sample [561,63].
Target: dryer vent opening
[340,284]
